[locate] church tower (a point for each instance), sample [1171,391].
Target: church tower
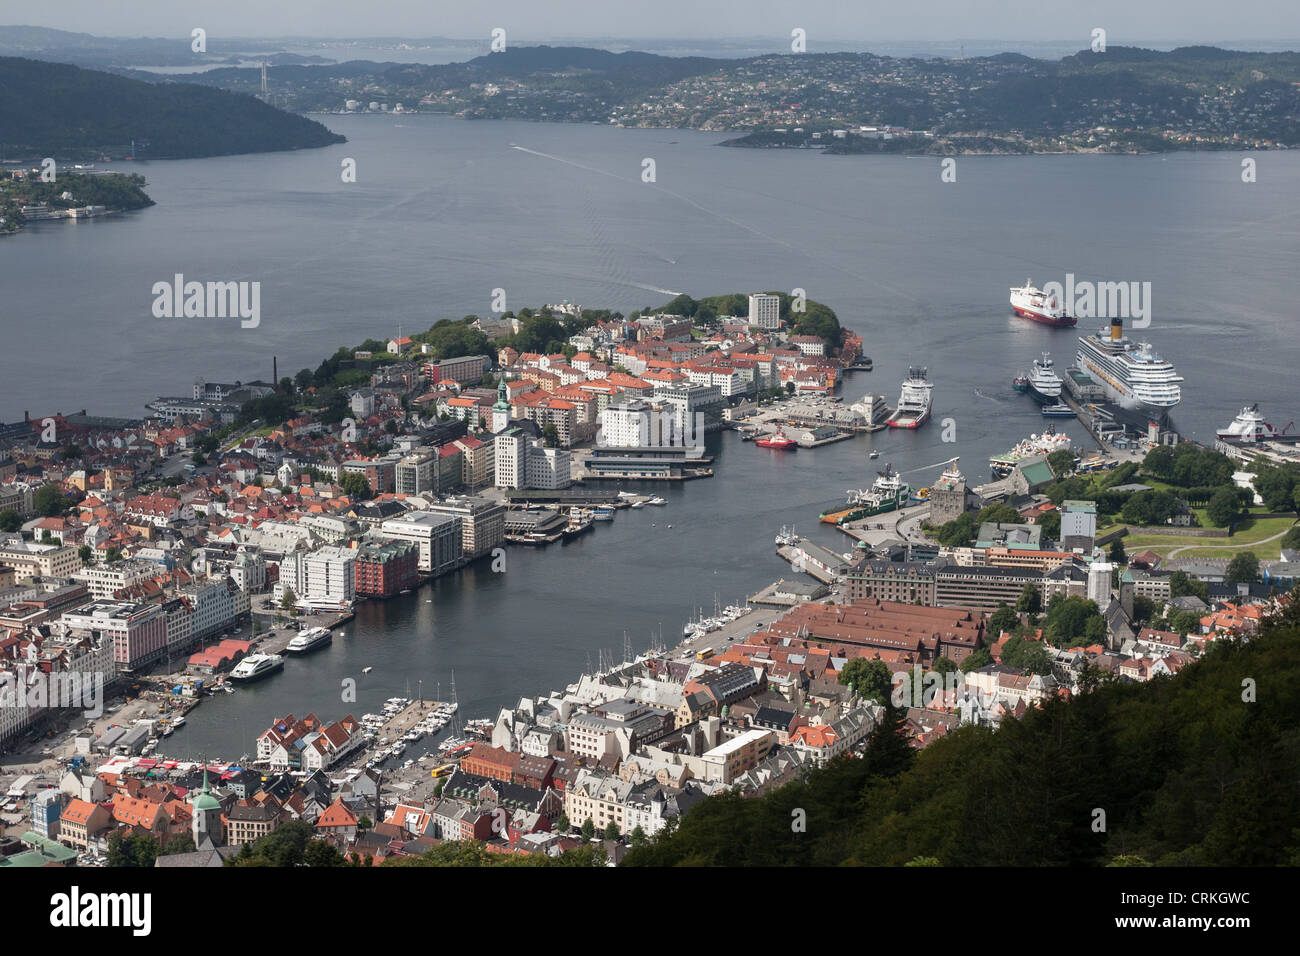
[501,410]
[206,822]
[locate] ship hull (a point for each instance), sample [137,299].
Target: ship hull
[315,645]
[1059,321]
[1044,398]
[260,675]
[843,517]
[909,421]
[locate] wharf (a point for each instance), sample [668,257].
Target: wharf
[818,442]
[900,525]
[735,631]
[785,594]
[812,559]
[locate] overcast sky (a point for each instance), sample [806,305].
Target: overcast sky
[1125,21]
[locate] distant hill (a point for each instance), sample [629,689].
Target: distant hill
[53,109]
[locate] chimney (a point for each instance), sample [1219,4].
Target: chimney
[1116,329]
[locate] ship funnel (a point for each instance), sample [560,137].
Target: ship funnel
[1116,329]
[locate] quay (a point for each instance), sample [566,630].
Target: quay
[811,558]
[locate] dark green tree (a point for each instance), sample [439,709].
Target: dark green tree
[870,679]
[1244,567]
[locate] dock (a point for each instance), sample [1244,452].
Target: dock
[812,559]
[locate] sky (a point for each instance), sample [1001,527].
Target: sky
[1126,21]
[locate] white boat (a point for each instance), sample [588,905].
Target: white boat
[875,453]
[256,666]
[656,500]
[913,401]
[311,639]
[1044,384]
[638,504]
[1249,428]
[1033,303]
[366,670]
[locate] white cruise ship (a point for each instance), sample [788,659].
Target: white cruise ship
[256,666]
[1131,374]
[1044,383]
[309,640]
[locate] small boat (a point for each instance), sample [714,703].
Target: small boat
[638,504]
[1021,382]
[656,500]
[366,670]
[875,453]
[1058,411]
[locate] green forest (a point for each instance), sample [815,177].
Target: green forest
[1194,770]
[115,191]
[53,109]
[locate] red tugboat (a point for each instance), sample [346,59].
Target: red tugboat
[778,441]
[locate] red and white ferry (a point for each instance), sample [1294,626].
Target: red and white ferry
[1033,303]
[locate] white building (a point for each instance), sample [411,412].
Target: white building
[437,535]
[331,577]
[510,453]
[765,311]
[547,468]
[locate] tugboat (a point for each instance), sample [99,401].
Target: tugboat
[1021,382]
[779,441]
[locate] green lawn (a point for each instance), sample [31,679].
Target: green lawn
[1250,531]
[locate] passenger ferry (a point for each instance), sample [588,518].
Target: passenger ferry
[1034,304]
[309,640]
[256,666]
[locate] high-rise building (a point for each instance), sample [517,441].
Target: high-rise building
[765,311]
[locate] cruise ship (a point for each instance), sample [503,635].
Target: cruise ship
[1032,303]
[256,666]
[913,402]
[1044,384]
[1131,374]
[309,640]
